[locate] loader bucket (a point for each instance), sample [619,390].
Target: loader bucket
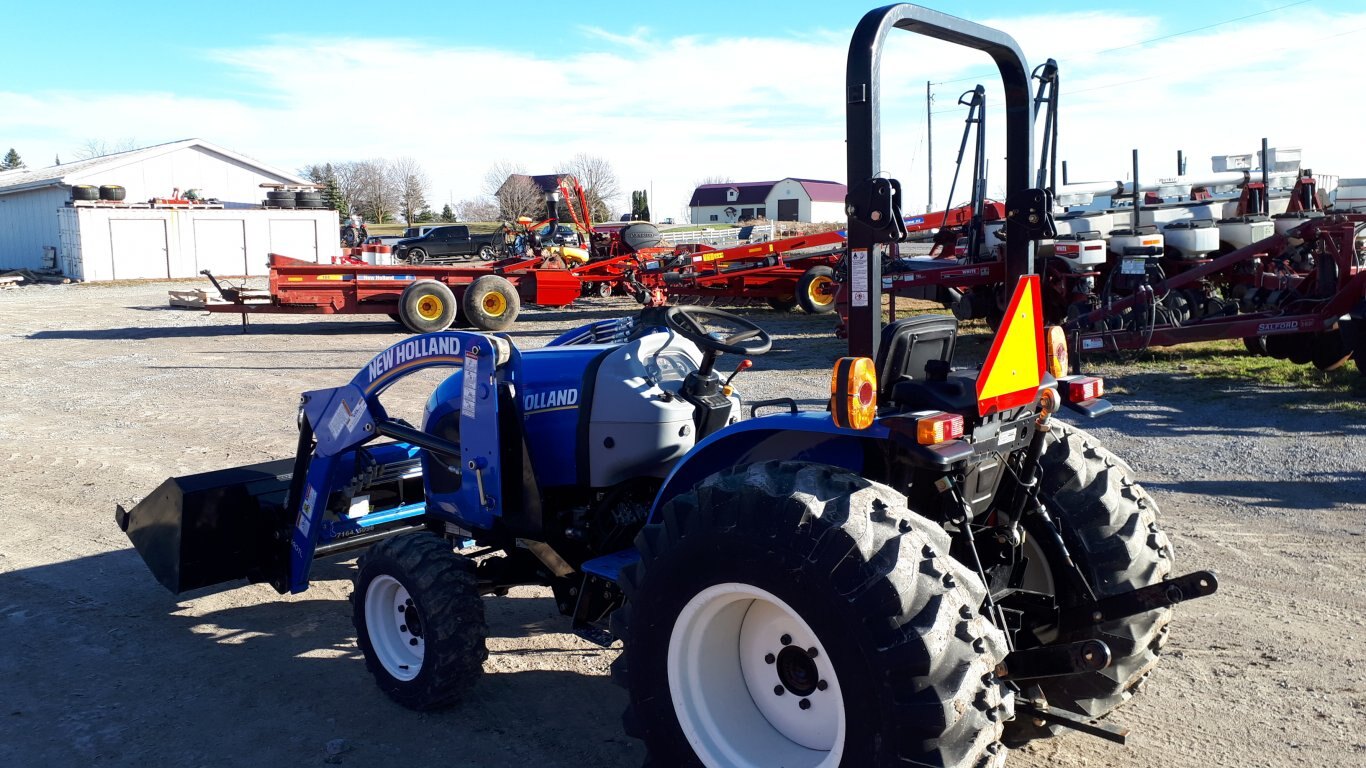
[214,527]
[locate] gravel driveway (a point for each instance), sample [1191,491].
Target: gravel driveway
[108,392]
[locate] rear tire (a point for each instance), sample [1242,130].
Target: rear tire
[757,565]
[810,296]
[1256,345]
[491,303]
[1109,524]
[419,620]
[427,306]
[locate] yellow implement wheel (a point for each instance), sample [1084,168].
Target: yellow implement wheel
[490,303]
[494,304]
[430,307]
[427,306]
[816,290]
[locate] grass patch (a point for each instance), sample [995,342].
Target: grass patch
[1221,366]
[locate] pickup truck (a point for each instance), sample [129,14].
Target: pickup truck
[452,242]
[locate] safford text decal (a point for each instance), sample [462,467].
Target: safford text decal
[550,400]
[408,351]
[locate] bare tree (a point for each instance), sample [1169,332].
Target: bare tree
[599,182]
[716,179]
[349,183]
[477,209]
[508,186]
[377,195]
[93,148]
[410,182]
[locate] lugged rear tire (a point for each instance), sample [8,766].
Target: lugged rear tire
[896,621]
[1109,524]
[440,593]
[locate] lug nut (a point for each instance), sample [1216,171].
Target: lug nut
[778,690]
[812,652]
[402,627]
[785,639]
[805,704]
[821,685]
[770,658]
[402,608]
[413,641]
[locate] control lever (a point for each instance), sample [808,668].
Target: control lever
[744,365]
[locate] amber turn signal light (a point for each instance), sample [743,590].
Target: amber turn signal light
[853,393]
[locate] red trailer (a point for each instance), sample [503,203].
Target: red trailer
[424,298]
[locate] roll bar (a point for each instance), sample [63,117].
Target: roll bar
[874,200]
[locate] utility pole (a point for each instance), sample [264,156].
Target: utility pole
[929,151]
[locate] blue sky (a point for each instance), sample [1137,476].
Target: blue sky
[668,92]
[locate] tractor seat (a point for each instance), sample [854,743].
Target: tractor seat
[914,365]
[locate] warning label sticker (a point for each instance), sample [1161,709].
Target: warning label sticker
[858,277]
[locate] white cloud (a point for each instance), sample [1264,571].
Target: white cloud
[669,110]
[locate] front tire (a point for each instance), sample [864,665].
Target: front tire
[416,256]
[757,567]
[419,620]
[1109,524]
[487,253]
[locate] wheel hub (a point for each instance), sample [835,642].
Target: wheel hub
[796,671]
[751,683]
[393,625]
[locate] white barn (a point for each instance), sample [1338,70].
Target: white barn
[789,199]
[39,228]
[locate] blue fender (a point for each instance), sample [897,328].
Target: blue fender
[810,436]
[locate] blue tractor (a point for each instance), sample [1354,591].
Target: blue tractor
[927,570]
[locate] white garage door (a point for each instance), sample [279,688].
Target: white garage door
[220,246]
[295,238]
[139,248]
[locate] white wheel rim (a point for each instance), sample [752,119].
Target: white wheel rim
[390,617]
[727,660]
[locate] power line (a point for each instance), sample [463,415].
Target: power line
[1153,40]
[1201,29]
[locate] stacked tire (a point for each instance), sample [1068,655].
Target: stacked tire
[85,192]
[310,198]
[112,192]
[277,198]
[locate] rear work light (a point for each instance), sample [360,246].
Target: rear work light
[938,428]
[853,393]
[1084,388]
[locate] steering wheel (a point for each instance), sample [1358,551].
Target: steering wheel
[688,322]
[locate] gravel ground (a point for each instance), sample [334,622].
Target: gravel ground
[109,392]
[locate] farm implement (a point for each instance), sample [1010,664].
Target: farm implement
[926,571]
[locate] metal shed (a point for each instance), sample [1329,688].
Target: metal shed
[39,227]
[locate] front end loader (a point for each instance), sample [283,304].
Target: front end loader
[929,570]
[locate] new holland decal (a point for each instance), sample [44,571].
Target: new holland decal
[550,400]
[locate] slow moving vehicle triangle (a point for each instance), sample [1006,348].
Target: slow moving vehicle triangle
[1014,368]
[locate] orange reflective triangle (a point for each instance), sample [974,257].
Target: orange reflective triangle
[1014,367]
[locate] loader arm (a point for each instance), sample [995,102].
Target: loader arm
[267,523]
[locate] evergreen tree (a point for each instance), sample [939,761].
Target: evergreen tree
[56,159]
[446,213]
[11,161]
[640,205]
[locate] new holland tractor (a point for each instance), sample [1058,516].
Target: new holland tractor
[926,571]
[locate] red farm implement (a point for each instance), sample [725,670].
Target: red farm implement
[423,298]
